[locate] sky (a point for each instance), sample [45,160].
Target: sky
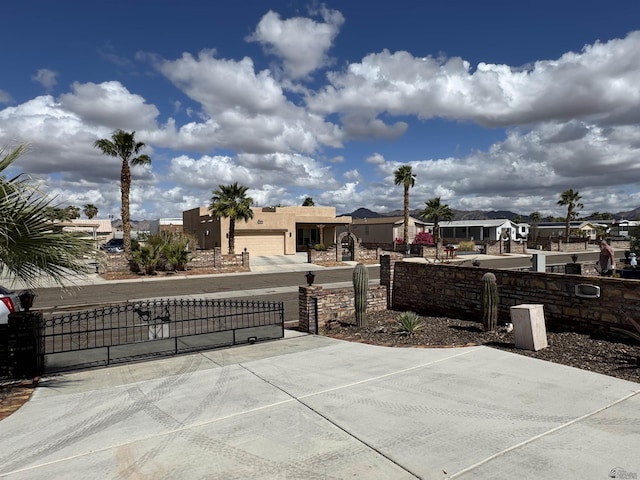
[496,105]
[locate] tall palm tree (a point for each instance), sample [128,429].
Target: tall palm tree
[123,145]
[436,211]
[571,200]
[72,212]
[231,201]
[90,210]
[535,218]
[404,176]
[29,247]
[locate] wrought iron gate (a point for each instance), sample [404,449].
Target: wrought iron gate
[124,332]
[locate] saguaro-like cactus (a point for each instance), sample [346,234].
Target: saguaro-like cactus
[489,301]
[360,287]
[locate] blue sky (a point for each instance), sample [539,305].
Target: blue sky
[496,105]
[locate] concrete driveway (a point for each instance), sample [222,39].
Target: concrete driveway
[309,407]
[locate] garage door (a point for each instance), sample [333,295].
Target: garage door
[261,245]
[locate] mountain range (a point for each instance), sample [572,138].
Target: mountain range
[478,214]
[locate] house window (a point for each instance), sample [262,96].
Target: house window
[308,236]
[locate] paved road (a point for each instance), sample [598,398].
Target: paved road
[281,286]
[259,286]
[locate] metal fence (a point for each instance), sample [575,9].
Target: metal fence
[118,333]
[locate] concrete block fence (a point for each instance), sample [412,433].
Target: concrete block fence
[451,290]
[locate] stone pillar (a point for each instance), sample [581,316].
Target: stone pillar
[529,330]
[245,259]
[23,344]
[307,308]
[217,257]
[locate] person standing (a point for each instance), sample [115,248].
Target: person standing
[607,261]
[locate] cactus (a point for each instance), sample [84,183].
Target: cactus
[489,301]
[360,287]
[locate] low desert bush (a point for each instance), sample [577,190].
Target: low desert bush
[408,323]
[466,246]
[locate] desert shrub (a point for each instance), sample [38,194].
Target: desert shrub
[320,246]
[408,323]
[466,246]
[147,257]
[163,251]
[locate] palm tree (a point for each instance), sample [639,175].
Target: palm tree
[536,218]
[72,212]
[231,201]
[308,202]
[404,176]
[29,247]
[571,200]
[90,210]
[123,145]
[57,214]
[436,211]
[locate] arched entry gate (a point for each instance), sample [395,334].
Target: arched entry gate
[346,247]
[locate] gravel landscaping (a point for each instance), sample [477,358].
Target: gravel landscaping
[614,356]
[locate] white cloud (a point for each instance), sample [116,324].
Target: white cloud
[375,159]
[111,105]
[353,175]
[46,78]
[247,111]
[301,43]
[5,97]
[343,198]
[600,82]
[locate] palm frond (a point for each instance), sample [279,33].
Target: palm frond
[29,246]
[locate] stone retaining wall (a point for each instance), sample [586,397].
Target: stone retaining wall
[240,262]
[317,306]
[363,255]
[450,290]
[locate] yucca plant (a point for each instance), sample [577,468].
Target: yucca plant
[408,323]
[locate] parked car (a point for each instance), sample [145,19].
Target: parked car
[115,245]
[9,303]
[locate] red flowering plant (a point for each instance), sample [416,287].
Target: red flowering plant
[399,241]
[423,238]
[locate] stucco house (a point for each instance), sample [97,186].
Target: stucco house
[384,230]
[271,231]
[483,230]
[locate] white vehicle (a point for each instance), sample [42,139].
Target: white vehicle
[9,303]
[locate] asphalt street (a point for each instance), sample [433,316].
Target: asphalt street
[274,284]
[259,286]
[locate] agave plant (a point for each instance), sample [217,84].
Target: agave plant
[408,323]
